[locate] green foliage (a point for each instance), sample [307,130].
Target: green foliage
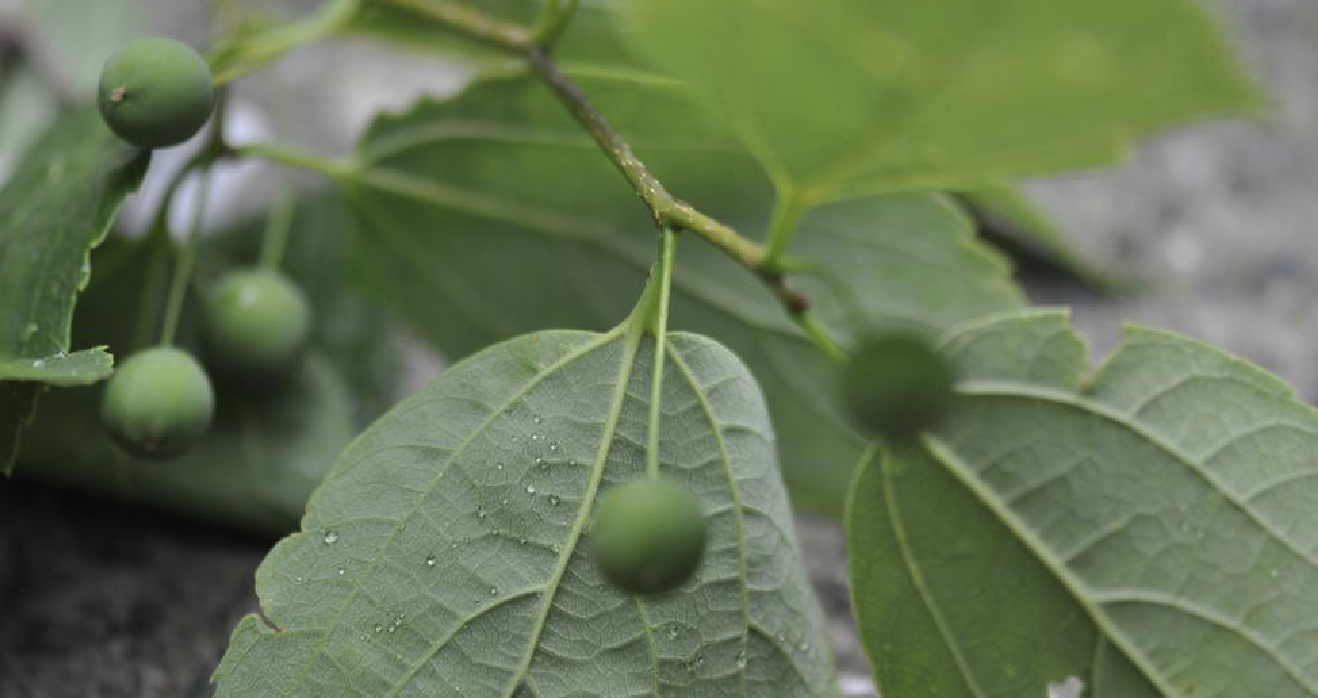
[841,98]
[446,553]
[266,451]
[896,385]
[56,206]
[1132,528]
[159,403]
[156,92]
[648,535]
[477,236]
[1145,531]
[256,322]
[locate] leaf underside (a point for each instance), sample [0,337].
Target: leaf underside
[467,205]
[1134,529]
[58,205]
[447,554]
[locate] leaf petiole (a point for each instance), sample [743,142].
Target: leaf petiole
[187,259]
[654,320]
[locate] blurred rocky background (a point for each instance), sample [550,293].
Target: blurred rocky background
[1214,226]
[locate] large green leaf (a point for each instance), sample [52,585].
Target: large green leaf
[842,97]
[1149,530]
[58,204]
[448,553]
[268,450]
[492,215]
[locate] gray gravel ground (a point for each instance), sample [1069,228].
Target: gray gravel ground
[103,601]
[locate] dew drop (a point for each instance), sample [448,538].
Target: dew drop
[342,571]
[553,500]
[537,420]
[530,489]
[299,580]
[498,466]
[330,537]
[539,461]
[553,447]
[38,363]
[480,512]
[379,628]
[494,591]
[672,632]
[431,561]
[741,660]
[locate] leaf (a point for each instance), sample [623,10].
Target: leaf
[57,205]
[65,370]
[448,552]
[267,450]
[471,202]
[1008,219]
[847,97]
[1148,529]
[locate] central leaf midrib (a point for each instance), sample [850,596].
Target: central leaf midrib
[632,339]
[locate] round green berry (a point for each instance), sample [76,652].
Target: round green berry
[255,321]
[897,384]
[156,92]
[648,535]
[158,403]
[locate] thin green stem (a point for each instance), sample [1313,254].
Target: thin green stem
[555,15]
[187,259]
[298,159]
[278,226]
[668,211]
[662,280]
[469,22]
[786,217]
[822,339]
[157,275]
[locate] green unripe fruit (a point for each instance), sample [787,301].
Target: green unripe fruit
[648,536]
[255,322]
[897,385]
[156,92]
[158,403]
